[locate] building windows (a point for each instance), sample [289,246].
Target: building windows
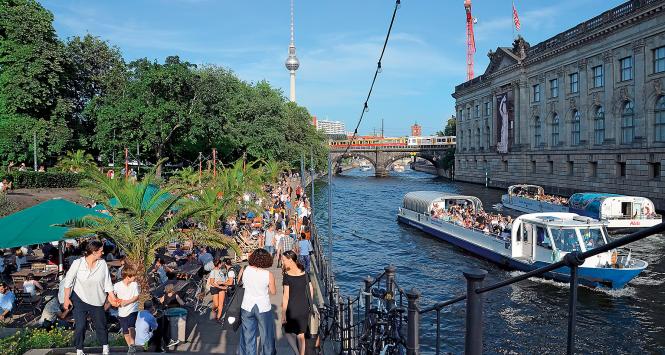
[575,132]
[478,137]
[621,169]
[538,132]
[627,123]
[593,169]
[461,115]
[626,67]
[659,60]
[571,167]
[555,130]
[550,165]
[477,111]
[533,166]
[468,113]
[598,77]
[468,139]
[536,93]
[654,170]
[599,126]
[659,123]
[574,83]
[554,88]
[488,109]
[487,137]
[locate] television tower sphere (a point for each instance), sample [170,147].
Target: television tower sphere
[292,62]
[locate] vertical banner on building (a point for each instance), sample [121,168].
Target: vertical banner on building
[502,123]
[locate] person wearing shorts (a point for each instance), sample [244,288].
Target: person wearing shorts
[216,282]
[127,293]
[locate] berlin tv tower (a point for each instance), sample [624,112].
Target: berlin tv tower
[292,62]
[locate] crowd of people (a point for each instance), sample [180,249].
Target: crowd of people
[558,200]
[108,296]
[467,216]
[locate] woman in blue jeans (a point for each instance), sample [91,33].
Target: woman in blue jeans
[256,310]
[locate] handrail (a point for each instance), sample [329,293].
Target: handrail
[440,305]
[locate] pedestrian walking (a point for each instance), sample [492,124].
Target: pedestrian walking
[217,285]
[295,305]
[256,314]
[127,292]
[87,286]
[304,247]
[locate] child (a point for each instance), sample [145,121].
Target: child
[127,292]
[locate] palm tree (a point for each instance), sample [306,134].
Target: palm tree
[187,177]
[76,161]
[272,171]
[228,193]
[139,223]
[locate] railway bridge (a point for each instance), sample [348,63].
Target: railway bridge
[383,157]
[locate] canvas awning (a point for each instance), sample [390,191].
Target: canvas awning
[34,225]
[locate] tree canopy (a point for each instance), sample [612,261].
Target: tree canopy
[81,94]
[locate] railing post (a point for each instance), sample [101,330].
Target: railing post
[349,319]
[343,327]
[390,285]
[413,323]
[336,305]
[573,260]
[473,340]
[368,295]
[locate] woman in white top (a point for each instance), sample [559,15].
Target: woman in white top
[217,286]
[30,285]
[256,309]
[90,281]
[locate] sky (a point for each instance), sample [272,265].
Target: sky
[338,43]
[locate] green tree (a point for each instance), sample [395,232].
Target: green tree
[152,108]
[450,129]
[76,162]
[92,69]
[31,58]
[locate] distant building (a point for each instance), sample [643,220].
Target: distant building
[331,127]
[416,130]
[581,111]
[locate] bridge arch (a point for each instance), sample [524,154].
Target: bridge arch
[395,157]
[336,158]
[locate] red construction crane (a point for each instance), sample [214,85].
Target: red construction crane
[470,41]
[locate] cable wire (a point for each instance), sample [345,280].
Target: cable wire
[376,73]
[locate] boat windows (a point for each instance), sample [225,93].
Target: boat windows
[542,239]
[592,238]
[626,209]
[565,239]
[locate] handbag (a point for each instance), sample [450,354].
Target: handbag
[314,316]
[232,315]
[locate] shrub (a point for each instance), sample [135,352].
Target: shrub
[6,206]
[28,339]
[32,180]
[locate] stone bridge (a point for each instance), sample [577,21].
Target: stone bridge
[383,158]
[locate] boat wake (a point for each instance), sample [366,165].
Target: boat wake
[626,291]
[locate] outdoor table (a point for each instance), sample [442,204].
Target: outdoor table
[21,275]
[11,260]
[114,263]
[178,285]
[187,271]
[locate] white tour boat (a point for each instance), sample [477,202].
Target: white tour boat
[519,198]
[619,211]
[535,240]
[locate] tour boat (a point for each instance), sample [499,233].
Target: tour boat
[365,167]
[535,240]
[398,168]
[526,204]
[619,211]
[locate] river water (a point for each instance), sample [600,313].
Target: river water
[525,318]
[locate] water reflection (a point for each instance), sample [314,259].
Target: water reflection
[530,317]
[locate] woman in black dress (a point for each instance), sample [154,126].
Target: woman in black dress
[295,304]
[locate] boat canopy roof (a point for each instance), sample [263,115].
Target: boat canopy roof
[532,189]
[589,201]
[421,201]
[560,220]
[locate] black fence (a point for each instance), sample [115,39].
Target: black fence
[377,320]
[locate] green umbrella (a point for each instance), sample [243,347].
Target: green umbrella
[35,225]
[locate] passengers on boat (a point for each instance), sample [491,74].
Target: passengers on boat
[466,216]
[557,200]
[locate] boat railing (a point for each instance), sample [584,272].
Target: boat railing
[490,234]
[640,216]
